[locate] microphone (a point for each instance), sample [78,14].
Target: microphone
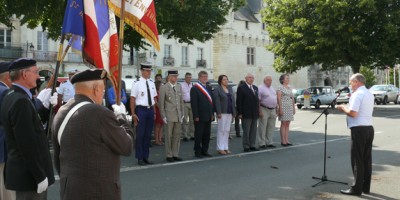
[344,89]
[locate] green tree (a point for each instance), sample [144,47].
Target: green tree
[369,75]
[333,33]
[180,19]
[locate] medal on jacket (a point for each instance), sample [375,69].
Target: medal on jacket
[142,94]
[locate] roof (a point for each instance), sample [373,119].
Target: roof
[247,12]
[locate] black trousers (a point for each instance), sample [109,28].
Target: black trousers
[237,125]
[361,159]
[202,133]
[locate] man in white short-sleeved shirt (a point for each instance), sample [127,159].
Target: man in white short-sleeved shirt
[359,120]
[143,111]
[66,91]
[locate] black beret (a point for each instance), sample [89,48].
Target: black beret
[22,63]
[173,72]
[145,66]
[89,75]
[4,67]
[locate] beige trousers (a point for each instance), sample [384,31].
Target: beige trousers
[266,126]
[172,139]
[188,124]
[4,193]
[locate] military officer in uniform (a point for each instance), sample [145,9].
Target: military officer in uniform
[142,102]
[29,170]
[171,110]
[89,140]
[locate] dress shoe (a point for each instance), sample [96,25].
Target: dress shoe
[350,192]
[148,162]
[185,140]
[263,146]
[221,152]
[141,163]
[206,154]
[192,138]
[289,144]
[228,152]
[169,159]
[284,145]
[177,158]
[239,136]
[198,155]
[254,149]
[271,146]
[246,150]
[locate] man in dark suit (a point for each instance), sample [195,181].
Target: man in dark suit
[87,149]
[247,107]
[5,84]
[28,170]
[202,108]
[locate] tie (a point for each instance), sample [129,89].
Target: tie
[148,93]
[173,87]
[251,87]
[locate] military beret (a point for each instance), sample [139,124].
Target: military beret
[173,72]
[4,67]
[89,75]
[22,63]
[145,66]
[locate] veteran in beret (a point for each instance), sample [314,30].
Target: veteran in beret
[143,111]
[88,141]
[29,169]
[5,84]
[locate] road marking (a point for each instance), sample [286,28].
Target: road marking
[135,168]
[295,128]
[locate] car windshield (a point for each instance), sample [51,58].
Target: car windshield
[378,88]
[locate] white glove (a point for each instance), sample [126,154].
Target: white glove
[119,109]
[165,120]
[54,99]
[42,186]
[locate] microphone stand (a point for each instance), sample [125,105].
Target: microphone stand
[324,178]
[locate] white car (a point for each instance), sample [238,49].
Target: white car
[322,95]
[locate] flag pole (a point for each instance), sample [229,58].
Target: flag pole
[120,51]
[60,58]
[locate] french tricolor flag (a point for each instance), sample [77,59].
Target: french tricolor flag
[101,39]
[93,32]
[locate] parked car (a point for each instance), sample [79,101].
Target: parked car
[322,95]
[296,93]
[384,94]
[344,97]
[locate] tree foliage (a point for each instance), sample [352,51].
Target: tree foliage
[333,33]
[184,20]
[369,75]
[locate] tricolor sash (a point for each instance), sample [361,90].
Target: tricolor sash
[204,91]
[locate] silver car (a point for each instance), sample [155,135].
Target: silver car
[384,94]
[322,95]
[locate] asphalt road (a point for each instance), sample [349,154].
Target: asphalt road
[280,173]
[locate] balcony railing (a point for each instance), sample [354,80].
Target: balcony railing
[201,63]
[169,61]
[12,53]
[45,55]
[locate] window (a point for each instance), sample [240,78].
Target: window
[250,55]
[200,53]
[167,50]
[5,38]
[42,41]
[185,56]
[247,24]
[263,26]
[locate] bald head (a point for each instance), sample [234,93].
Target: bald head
[92,89]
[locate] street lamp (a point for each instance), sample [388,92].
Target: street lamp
[154,58]
[29,46]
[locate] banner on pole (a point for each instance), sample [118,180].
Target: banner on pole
[141,15]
